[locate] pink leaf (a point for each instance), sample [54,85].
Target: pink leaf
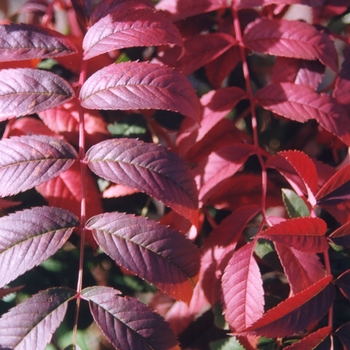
[116,191]
[297,312]
[26,91]
[26,41]
[342,82]
[242,4]
[152,251]
[343,282]
[302,269]
[305,234]
[242,289]
[294,39]
[180,9]
[140,85]
[28,161]
[313,340]
[31,236]
[125,28]
[126,322]
[31,324]
[149,168]
[301,103]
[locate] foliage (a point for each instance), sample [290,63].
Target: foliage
[191,154]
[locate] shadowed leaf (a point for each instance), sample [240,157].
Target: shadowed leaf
[312,340]
[149,168]
[140,85]
[31,236]
[30,325]
[160,255]
[341,236]
[343,282]
[127,323]
[26,91]
[28,161]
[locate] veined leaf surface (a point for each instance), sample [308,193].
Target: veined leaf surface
[152,251]
[149,168]
[28,161]
[26,91]
[30,325]
[140,85]
[27,41]
[127,323]
[125,28]
[31,236]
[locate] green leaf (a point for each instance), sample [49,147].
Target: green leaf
[295,205]
[226,344]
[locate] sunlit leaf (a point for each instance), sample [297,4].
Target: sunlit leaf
[29,237]
[149,168]
[127,323]
[30,325]
[154,252]
[140,85]
[28,161]
[295,205]
[26,91]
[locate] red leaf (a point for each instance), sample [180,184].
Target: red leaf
[7,291]
[294,39]
[126,322]
[241,4]
[26,41]
[140,85]
[149,168]
[341,236]
[312,340]
[297,312]
[302,269]
[29,237]
[242,289]
[343,332]
[124,28]
[152,251]
[301,103]
[342,82]
[305,234]
[343,282]
[297,165]
[115,191]
[29,126]
[180,9]
[31,324]
[26,91]
[28,161]
[297,71]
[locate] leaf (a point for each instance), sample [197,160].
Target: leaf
[341,236]
[343,282]
[295,39]
[26,41]
[125,28]
[301,103]
[31,236]
[26,91]
[6,291]
[149,168]
[305,234]
[231,343]
[127,323]
[295,205]
[343,333]
[242,289]
[30,325]
[301,269]
[342,82]
[28,161]
[297,312]
[312,340]
[160,255]
[140,85]
[242,4]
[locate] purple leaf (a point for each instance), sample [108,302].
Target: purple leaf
[31,236]
[28,161]
[30,325]
[294,39]
[301,103]
[149,168]
[140,85]
[26,91]
[127,323]
[154,252]
[125,28]
[25,41]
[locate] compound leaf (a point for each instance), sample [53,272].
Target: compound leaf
[30,325]
[28,161]
[31,236]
